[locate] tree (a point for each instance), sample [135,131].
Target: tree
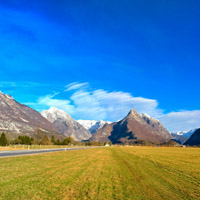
[53,141]
[67,141]
[3,140]
[24,139]
[58,142]
[45,140]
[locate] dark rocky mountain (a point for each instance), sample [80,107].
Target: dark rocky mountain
[194,140]
[66,125]
[132,128]
[16,118]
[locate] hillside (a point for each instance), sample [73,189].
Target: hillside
[194,140]
[16,118]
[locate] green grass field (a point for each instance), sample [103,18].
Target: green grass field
[103,173]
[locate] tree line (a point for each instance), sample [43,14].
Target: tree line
[44,140]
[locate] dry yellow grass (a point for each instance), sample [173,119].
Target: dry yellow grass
[26,147]
[103,173]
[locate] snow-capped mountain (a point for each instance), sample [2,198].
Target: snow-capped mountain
[92,125]
[66,124]
[16,118]
[186,133]
[182,136]
[54,113]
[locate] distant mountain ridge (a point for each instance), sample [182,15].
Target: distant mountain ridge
[66,125]
[17,118]
[92,125]
[132,128]
[186,133]
[181,139]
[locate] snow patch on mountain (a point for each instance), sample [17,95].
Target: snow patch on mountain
[92,125]
[144,115]
[54,113]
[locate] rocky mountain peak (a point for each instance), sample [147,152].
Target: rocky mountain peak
[66,124]
[54,114]
[134,115]
[6,96]
[133,127]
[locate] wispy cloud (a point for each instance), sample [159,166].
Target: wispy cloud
[6,84]
[85,103]
[75,86]
[182,120]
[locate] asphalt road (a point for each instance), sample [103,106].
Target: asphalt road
[36,151]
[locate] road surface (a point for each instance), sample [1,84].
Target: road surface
[36,151]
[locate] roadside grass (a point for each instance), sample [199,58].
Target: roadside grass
[26,147]
[119,173]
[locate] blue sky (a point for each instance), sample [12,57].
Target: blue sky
[98,59]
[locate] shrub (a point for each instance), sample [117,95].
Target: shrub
[67,141]
[45,140]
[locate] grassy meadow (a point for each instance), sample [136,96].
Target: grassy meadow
[121,173]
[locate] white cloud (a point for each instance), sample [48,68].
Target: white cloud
[100,104]
[85,103]
[183,120]
[75,86]
[61,104]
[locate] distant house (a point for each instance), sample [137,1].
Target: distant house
[107,145]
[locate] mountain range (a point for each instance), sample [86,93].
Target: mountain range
[182,136]
[186,134]
[16,118]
